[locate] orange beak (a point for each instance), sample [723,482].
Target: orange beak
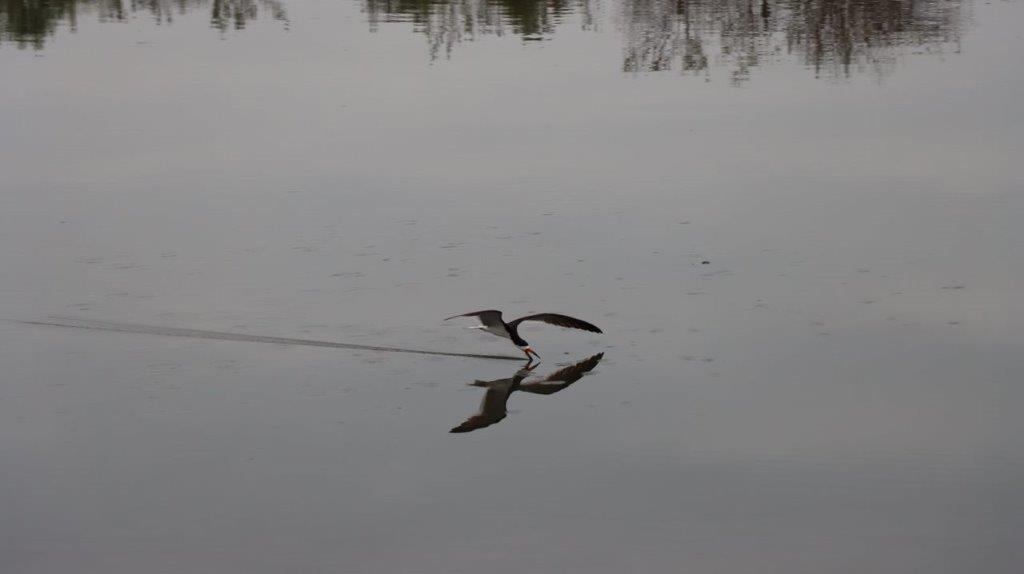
[529,350]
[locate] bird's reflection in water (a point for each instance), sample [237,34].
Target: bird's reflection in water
[494,406]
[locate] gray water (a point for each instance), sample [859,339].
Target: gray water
[837,389]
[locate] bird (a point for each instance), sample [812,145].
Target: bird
[491,321]
[494,406]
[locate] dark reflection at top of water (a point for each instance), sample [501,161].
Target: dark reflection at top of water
[31,22]
[833,37]
[448,22]
[494,406]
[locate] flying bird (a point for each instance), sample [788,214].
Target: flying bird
[491,321]
[494,406]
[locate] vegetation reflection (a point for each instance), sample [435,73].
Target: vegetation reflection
[447,23]
[830,37]
[30,22]
[833,37]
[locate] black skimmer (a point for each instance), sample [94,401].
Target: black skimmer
[494,406]
[492,322]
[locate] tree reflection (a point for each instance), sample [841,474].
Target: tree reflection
[446,23]
[830,37]
[833,37]
[31,22]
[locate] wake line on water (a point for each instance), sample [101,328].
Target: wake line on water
[93,325]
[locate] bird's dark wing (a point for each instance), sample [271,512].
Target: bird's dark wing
[492,407]
[476,422]
[562,378]
[560,320]
[489,318]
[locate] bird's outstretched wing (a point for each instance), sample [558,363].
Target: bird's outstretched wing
[492,407]
[562,378]
[476,422]
[489,318]
[560,320]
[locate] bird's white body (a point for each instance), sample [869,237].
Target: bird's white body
[493,329]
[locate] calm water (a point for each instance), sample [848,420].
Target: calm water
[838,389]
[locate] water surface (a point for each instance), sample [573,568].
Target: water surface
[837,389]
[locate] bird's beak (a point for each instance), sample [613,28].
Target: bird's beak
[529,350]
